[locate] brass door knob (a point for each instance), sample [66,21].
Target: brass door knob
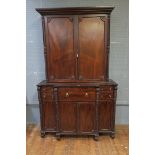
[67,94]
[110,96]
[86,94]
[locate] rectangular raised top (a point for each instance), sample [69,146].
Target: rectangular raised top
[75,10]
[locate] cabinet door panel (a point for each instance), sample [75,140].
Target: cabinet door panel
[61,61]
[86,117]
[49,115]
[92,58]
[106,109]
[67,112]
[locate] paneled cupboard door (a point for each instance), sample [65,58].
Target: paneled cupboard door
[68,116]
[86,115]
[61,58]
[49,119]
[92,51]
[106,112]
[76,48]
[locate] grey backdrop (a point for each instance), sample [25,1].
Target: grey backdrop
[119,52]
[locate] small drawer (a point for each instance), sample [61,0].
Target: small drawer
[46,89]
[77,94]
[106,88]
[106,95]
[47,97]
[47,93]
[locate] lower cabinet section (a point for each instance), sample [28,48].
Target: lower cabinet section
[70,111]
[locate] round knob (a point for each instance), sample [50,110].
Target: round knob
[86,94]
[67,94]
[110,96]
[44,96]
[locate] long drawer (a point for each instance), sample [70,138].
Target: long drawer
[77,94]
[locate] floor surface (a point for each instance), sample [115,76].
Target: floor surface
[35,145]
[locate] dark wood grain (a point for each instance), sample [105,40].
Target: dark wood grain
[61,56]
[67,113]
[49,116]
[105,115]
[47,94]
[77,113]
[92,64]
[47,109]
[77,97]
[86,117]
[77,94]
[75,10]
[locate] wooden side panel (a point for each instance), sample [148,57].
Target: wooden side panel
[61,60]
[106,115]
[86,117]
[67,114]
[49,116]
[92,58]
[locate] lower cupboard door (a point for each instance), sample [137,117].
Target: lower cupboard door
[106,111]
[67,115]
[49,119]
[86,113]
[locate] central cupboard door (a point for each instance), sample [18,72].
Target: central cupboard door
[77,117]
[61,58]
[92,52]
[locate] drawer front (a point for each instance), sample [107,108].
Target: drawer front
[107,88]
[46,94]
[106,95]
[77,94]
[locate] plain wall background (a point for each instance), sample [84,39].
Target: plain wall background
[119,52]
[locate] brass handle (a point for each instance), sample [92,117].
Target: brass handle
[67,94]
[86,94]
[44,96]
[110,96]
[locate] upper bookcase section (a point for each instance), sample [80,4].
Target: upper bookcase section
[75,10]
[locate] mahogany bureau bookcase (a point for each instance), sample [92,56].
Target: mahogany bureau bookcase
[77,97]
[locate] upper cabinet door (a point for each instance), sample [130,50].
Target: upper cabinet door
[92,48]
[60,59]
